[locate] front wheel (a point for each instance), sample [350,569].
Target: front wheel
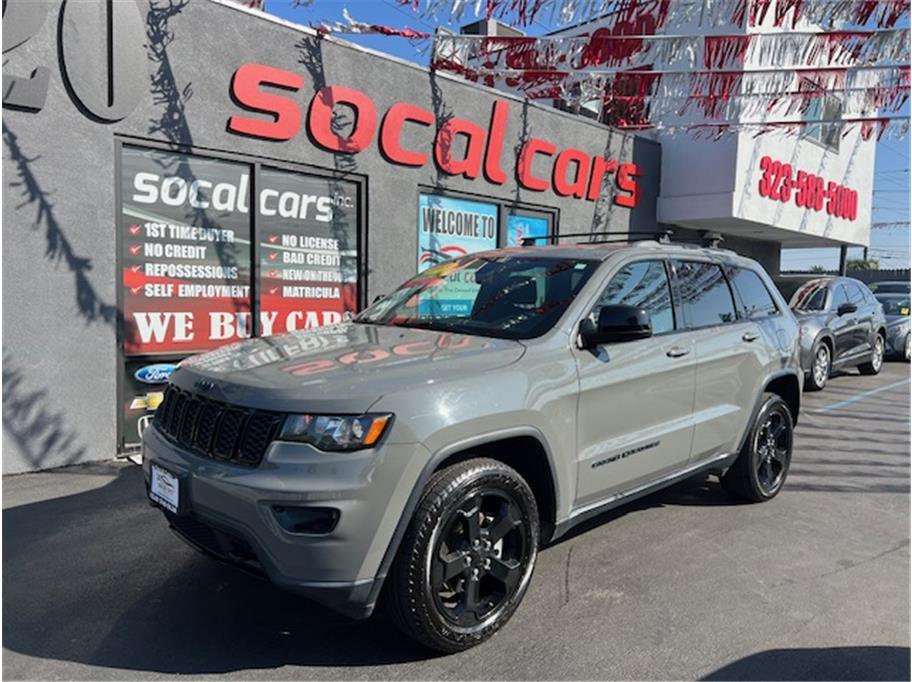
[761,468]
[874,365]
[467,557]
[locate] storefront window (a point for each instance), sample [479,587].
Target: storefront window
[307,231]
[450,227]
[192,231]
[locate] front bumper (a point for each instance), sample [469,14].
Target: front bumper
[228,513]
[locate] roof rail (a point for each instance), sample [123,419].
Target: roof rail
[707,239]
[625,236]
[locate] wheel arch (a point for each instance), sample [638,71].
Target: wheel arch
[788,388]
[545,484]
[527,454]
[827,337]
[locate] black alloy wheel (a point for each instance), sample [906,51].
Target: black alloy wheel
[467,557]
[763,463]
[478,558]
[773,444]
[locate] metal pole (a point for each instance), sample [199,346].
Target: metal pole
[843,252]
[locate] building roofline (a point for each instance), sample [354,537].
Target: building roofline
[312,33]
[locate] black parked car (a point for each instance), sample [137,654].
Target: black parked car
[841,325]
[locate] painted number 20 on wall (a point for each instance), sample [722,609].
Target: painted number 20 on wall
[810,191]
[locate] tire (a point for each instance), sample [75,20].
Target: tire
[875,364]
[482,517]
[762,466]
[821,366]
[907,347]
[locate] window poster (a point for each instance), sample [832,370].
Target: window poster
[449,228]
[307,231]
[522,226]
[185,252]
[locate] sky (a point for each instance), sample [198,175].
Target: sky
[891,246]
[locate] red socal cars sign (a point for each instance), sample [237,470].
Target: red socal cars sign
[259,88]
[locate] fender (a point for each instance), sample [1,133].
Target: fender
[758,402]
[433,462]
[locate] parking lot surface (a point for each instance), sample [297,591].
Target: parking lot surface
[684,584]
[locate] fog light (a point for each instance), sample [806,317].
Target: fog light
[307,520]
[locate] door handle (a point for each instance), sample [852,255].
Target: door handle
[750,336]
[677,352]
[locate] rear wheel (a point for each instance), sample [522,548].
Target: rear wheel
[761,468]
[874,365]
[467,557]
[820,367]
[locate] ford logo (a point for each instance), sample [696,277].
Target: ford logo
[154,374]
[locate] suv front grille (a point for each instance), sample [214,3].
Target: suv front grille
[215,429]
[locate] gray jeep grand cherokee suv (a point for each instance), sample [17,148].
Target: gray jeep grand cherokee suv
[420,454]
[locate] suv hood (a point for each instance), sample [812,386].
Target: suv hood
[343,368]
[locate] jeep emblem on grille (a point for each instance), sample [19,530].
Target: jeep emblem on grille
[204,385]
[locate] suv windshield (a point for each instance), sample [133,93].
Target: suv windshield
[507,296]
[811,296]
[893,304]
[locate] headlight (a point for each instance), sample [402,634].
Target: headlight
[336,432]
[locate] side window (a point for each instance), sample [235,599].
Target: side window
[754,298]
[643,284]
[856,295]
[839,297]
[705,295]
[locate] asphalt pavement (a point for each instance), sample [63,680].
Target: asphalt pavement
[685,584]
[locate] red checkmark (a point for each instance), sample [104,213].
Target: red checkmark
[136,268]
[273,255]
[273,290]
[136,249]
[273,238]
[136,290]
[273,273]
[135,230]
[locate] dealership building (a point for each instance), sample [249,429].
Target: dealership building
[180,175]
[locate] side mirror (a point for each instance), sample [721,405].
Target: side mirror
[616,324]
[846,308]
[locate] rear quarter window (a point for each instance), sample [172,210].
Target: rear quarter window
[753,298]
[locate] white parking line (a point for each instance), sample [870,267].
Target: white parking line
[861,396]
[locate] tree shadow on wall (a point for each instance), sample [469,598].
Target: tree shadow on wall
[40,433]
[171,122]
[310,56]
[58,248]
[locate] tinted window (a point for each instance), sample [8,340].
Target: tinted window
[891,287]
[645,285]
[839,297]
[894,304]
[755,299]
[856,295]
[705,294]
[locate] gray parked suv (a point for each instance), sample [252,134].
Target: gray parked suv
[841,325]
[420,454]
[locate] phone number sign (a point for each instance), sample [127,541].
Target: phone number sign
[780,182]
